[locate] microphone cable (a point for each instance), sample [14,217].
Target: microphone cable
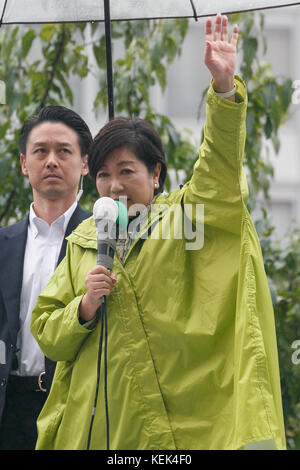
[104,329]
[116,217]
[105,372]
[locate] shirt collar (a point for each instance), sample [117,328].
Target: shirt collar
[36,223]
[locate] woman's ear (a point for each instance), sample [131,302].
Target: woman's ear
[156,174]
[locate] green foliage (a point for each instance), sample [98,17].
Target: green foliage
[269,98]
[30,85]
[282,264]
[149,47]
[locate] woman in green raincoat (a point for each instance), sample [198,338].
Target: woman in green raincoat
[191,360]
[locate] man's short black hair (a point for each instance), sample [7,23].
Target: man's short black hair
[58,114]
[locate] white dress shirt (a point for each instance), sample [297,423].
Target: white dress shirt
[41,255]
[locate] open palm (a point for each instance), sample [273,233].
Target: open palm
[220,54]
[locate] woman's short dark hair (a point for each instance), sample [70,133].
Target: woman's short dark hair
[58,114]
[134,134]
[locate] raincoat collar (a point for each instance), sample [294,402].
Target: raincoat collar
[85,235]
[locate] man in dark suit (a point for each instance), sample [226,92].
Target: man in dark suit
[53,146]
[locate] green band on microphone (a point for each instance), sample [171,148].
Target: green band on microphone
[123,218]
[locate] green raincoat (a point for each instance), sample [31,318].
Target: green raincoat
[192,355]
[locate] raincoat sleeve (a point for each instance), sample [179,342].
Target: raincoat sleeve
[218,180]
[55,322]
[219,184]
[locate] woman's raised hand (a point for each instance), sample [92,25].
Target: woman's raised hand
[220,53]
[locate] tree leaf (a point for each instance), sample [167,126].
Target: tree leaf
[47,32]
[27,41]
[161,76]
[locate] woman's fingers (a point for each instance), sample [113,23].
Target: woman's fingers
[99,281]
[217,29]
[99,269]
[220,30]
[99,285]
[208,30]
[235,35]
[224,35]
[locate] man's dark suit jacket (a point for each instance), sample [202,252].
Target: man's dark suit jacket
[12,250]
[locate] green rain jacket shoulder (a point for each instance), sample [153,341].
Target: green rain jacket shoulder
[192,354]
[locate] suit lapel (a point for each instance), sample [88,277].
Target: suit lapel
[78,216]
[11,276]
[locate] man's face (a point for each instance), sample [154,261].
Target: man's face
[53,161]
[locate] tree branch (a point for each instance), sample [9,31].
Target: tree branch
[59,53]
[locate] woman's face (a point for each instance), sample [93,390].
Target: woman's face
[123,175]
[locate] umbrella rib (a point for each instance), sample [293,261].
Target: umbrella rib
[3,11]
[271,7]
[194,10]
[109,68]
